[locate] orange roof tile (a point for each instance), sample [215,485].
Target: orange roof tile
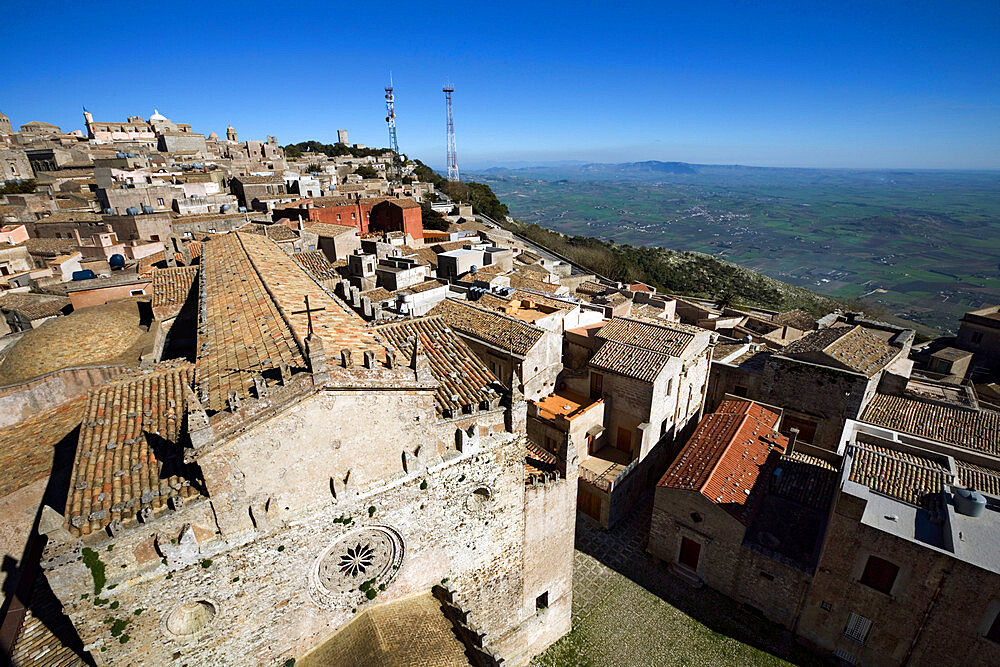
[725,456]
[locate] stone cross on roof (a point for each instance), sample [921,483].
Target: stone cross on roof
[308,311]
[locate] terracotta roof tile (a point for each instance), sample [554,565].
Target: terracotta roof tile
[315,263]
[972,429]
[913,479]
[463,376]
[490,327]
[725,456]
[329,230]
[280,233]
[339,326]
[171,289]
[26,448]
[628,360]
[241,332]
[130,454]
[854,348]
[978,477]
[806,480]
[34,306]
[658,337]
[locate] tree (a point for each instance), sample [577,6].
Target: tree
[364,171]
[432,219]
[18,187]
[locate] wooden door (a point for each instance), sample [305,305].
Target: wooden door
[624,441]
[588,503]
[690,551]
[596,385]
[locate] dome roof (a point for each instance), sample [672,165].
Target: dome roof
[157,116]
[109,334]
[213,135]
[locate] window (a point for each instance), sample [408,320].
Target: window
[766,575]
[338,217]
[670,386]
[696,517]
[159,201]
[858,628]
[542,601]
[690,551]
[136,292]
[740,390]
[994,632]
[879,574]
[977,337]
[154,237]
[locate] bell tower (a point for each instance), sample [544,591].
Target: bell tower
[231,134]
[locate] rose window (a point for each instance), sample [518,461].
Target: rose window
[357,559]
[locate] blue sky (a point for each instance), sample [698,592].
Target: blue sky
[838,84]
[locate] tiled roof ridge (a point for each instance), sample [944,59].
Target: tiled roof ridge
[513,320]
[892,454]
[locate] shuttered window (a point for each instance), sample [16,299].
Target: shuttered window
[858,628]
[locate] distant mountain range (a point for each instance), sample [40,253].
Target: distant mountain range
[597,170]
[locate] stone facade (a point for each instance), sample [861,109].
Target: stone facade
[264,556]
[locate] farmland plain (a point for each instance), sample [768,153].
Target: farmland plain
[924,245]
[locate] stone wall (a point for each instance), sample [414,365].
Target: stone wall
[824,395]
[937,610]
[20,401]
[724,563]
[256,574]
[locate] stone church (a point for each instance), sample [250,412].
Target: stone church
[309,488]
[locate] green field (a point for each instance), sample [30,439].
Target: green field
[924,245]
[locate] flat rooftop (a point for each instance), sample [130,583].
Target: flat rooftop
[564,403]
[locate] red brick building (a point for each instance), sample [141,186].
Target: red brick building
[379,214]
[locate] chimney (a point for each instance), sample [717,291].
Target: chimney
[793,435]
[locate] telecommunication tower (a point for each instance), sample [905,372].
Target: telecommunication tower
[452,156]
[390,119]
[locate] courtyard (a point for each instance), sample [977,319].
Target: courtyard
[629,610]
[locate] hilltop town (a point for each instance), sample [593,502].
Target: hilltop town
[277,407]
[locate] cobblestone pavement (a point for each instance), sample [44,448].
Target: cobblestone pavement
[629,610]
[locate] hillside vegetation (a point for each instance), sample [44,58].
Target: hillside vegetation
[689,273]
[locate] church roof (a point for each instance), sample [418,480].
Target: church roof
[462,375]
[130,454]
[108,334]
[242,333]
